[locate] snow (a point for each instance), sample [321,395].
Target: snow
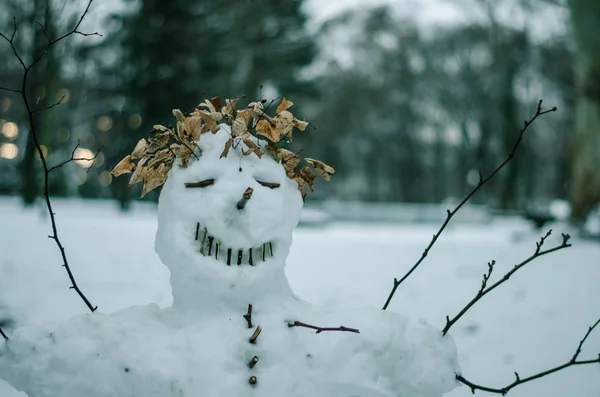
[202,345]
[531,323]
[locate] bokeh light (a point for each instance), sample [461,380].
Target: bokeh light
[6,104]
[105,178]
[9,151]
[10,130]
[135,121]
[63,93]
[104,123]
[82,154]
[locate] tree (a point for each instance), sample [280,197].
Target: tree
[175,54]
[585,188]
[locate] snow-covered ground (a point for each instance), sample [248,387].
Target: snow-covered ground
[531,323]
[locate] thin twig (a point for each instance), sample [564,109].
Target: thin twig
[73,158]
[3,334]
[248,316]
[484,291]
[44,31]
[321,329]
[520,380]
[10,90]
[34,135]
[482,181]
[49,106]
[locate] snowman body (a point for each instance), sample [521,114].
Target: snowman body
[226,250]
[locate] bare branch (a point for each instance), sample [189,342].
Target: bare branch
[484,291]
[10,89]
[11,42]
[519,380]
[321,329]
[64,36]
[38,146]
[539,112]
[44,31]
[73,158]
[3,334]
[49,106]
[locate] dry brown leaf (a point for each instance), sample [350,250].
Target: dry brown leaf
[125,166]
[288,159]
[285,124]
[160,156]
[158,141]
[216,102]
[301,125]
[182,152]
[302,191]
[230,107]
[140,149]
[252,148]
[138,172]
[324,170]
[211,120]
[256,109]
[227,147]
[207,104]
[306,177]
[284,105]
[155,178]
[159,127]
[264,128]
[190,127]
[178,115]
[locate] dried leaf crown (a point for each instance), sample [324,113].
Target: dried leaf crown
[152,159]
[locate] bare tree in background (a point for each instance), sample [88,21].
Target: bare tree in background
[585,189]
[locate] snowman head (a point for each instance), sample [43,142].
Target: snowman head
[231,200]
[225,223]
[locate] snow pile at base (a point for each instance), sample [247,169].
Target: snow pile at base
[146,351]
[201,346]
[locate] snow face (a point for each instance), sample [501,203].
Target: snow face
[201,229]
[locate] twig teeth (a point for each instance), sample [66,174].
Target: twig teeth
[271,248]
[210,242]
[254,336]
[203,240]
[240,254]
[262,253]
[228,256]
[250,261]
[253,361]
[217,249]
[197,230]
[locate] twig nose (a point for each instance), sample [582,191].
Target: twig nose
[245,197]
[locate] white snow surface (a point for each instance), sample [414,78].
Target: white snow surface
[531,323]
[200,346]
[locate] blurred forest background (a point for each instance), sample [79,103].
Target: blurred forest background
[406,108]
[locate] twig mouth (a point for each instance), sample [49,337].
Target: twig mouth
[210,245]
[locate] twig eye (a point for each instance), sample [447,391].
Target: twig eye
[270,185]
[204,183]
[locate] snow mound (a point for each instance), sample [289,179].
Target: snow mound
[145,351]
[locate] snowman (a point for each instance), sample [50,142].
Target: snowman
[231,198]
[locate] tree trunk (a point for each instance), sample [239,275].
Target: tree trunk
[585,170]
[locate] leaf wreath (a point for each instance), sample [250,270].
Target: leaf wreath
[152,159]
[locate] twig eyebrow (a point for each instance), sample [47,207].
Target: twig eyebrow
[204,183]
[269,184]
